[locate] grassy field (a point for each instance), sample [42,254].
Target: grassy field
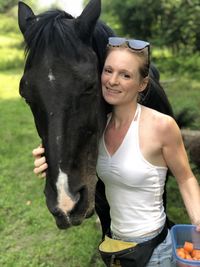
[28,233]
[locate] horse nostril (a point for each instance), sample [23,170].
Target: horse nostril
[57,212]
[82,195]
[77,197]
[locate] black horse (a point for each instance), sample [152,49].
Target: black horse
[61,84]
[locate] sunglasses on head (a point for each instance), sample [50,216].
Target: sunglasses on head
[131,43]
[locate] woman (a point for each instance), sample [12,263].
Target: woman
[138,146]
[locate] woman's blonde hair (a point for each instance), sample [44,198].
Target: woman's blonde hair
[143,54]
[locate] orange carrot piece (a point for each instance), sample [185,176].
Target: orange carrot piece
[188,246]
[188,257]
[196,254]
[180,252]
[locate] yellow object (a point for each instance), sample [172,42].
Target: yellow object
[114,245]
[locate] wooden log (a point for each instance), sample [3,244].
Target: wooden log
[189,136]
[191,139]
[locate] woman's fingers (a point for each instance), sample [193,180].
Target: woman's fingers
[198,226]
[37,152]
[40,170]
[40,162]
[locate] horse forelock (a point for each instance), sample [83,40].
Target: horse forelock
[51,31]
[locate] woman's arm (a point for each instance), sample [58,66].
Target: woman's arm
[40,161]
[176,159]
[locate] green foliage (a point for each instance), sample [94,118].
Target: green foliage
[10,57]
[133,17]
[179,25]
[175,64]
[166,23]
[5,5]
[9,26]
[180,79]
[175,206]
[12,54]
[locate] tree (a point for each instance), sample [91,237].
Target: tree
[179,25]
[172,23]
[5,5]
[136,17]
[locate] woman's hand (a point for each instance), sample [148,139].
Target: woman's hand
[40,162]
[198,226]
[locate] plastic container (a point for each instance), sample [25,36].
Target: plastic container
[180,234]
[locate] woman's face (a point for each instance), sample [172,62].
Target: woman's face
[121,81]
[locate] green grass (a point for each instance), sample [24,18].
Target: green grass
[29,236]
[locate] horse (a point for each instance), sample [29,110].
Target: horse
[61,85]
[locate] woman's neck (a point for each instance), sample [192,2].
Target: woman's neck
[122,115]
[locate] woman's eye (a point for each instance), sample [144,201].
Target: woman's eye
[107,70]
[126,75]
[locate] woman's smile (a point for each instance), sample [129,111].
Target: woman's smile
[113,91]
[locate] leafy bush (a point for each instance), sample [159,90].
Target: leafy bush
[11,44]
[9,24]
[178,64]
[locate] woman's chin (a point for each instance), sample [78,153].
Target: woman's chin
[111,98]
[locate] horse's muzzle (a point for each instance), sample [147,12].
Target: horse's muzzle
[76,216]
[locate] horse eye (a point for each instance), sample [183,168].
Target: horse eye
[27,101]
[23,87]
[90,132]
[86,132]
[88,90]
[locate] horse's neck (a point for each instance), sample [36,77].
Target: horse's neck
[100,40]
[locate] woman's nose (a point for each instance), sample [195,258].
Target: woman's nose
[113,80]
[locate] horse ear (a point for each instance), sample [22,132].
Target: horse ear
[88,18]
[24,13]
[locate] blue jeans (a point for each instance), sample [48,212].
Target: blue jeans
[162,255]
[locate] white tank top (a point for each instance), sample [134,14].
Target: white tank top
[134,187]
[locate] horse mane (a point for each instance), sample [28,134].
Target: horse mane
[100,40]
[49,31]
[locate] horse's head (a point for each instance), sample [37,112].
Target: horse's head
[61,85]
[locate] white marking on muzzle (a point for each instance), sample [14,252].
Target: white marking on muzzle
[65,199]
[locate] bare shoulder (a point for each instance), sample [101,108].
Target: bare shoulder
[163,124]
